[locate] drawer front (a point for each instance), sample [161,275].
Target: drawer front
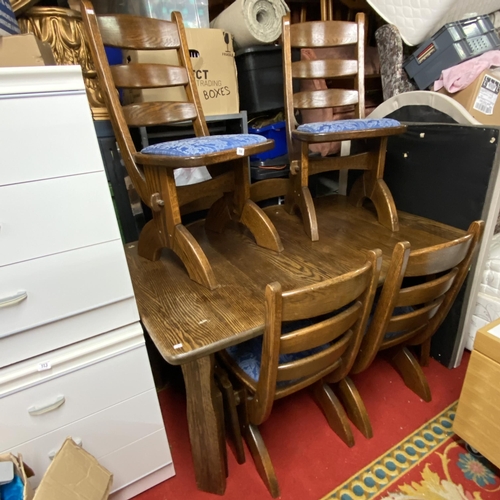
[46,338]
[478,414]
[49,365]
[60,401]
[56,215]
[62,285]
[154,452]
[102,434]
[39,150]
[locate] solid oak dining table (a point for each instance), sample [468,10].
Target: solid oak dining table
[189,323]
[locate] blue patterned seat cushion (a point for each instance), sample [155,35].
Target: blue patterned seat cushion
[248,357]
[209,144]
[398,311]
[348,125]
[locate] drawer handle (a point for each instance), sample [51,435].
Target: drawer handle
[51,405]
[77,441]
[13,299]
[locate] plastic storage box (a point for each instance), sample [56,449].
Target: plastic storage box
[275,131]
[194,12]
[260,78]
[452,44]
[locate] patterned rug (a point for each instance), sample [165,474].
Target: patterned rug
[433,463]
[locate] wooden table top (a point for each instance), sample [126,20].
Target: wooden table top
[186,320]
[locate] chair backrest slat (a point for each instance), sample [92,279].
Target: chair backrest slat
[144,114]
[316,363]
[326,297]
[425,292]
[148,76]
[324,68]
[439,258]
[320,333]
[329,98]
[323,34]
[415,319]
[138,33]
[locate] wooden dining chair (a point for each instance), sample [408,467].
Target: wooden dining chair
[310,333]
[152,169]
[375,132]
[419,289]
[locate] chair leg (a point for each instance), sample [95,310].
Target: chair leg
[425,352]
[238,206]
[193,257]
[233,427]
[185,246]
[289,202]
[385,206]
[300,198]
[167,231]
[407,366]
[333,411]
[149,245]
[303,14]
[378,192]
[237,424]
[299,195]
[218,215]
[355,408]
[219,404]
[252,216]
[308,213]
[261,458]
[259,224]
[372,185]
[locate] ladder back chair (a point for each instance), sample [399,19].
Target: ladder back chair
[310,333]
[418,292]
[152,169]
[324,34]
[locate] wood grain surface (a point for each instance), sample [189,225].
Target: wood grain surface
[137,33]
[478,414]
[187,321]
[148,76]
[324,34]
[324,68]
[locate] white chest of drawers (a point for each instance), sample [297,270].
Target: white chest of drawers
[72,355]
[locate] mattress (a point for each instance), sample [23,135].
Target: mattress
[418,20]
[487,308]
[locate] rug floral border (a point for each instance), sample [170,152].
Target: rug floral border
[386,469]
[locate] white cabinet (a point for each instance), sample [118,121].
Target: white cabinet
[52,216]
[72,355]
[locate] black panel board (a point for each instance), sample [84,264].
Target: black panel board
[420,114]
[442,171]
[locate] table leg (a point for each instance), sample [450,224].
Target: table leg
[206,425]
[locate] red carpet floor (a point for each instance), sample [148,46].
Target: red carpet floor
[309,459]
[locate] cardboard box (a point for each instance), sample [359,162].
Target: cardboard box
[480,98]
[8,22]
[73,474]
[478,414]
[21,470]
[25,50]
[214,67]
